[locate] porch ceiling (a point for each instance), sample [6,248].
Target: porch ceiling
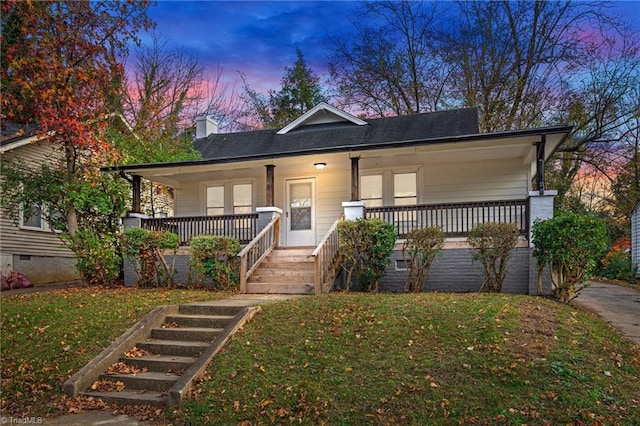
[494,149]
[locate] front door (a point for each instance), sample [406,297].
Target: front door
[300,212]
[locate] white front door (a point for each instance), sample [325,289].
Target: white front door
[300,212]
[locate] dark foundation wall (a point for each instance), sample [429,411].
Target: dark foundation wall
[454,271]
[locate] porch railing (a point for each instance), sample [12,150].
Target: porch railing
[240,226]
[326,257]
[257,250]
[455,219]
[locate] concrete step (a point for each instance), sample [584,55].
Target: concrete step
[186,333]
[161,363]
[205,309]
[150,380]
[279,288]
[199,321]
[131,397]
[173,347]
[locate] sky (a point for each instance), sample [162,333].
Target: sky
[259,38]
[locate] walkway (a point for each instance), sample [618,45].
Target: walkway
[618,305]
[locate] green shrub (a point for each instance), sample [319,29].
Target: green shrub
[418,252]
[365,246]
[97,258]
[492,244]
[144,249]
[214,257]
[571,246]
[617,265]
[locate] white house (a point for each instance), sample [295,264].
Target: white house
[432,169]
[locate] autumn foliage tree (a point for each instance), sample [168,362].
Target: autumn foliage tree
[61,75]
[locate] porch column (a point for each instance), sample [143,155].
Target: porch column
[355,179]
[270,185]
[353,210]
[136,185]
[540,207]
[540,148]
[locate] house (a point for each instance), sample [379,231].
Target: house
[635,238]
[290,186]
[27,243]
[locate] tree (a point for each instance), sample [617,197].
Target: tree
[492,244]
[390,66]
[60,73]
[300,91]
[522,64]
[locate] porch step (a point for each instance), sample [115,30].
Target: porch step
[286,271]
[172,350]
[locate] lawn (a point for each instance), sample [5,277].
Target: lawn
[350,359]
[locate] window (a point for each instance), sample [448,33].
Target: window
[405,189]
[242,198]
[371,190]
[215,200]
[31,217]
[229,199]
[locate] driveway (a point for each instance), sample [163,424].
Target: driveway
[618,305]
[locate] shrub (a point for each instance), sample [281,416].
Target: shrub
[97,257]
[492,244]
[366,246]
[418,252]
[214,257]
[617,265]
[570,245]
[144,249]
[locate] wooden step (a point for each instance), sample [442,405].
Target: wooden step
[284,272]
[279,288]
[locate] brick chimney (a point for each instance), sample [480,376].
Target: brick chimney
[205,125]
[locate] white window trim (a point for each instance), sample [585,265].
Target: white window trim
[45,226]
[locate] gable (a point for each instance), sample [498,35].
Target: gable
[322,113]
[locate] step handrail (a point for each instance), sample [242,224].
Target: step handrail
[257,250]
[325,256]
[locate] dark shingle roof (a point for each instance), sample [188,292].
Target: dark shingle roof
[339,136]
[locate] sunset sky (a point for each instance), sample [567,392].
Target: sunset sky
[259,38]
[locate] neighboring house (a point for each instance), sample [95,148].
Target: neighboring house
[432,169]
[28,244]
[635,237]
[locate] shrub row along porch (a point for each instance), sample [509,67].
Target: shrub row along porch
[260,237]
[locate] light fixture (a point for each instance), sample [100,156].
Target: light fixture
[320,166]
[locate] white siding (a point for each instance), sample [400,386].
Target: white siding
[635,237]
[476,181]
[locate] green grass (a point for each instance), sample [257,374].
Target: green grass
[349,359]
[46,337]
[352,359]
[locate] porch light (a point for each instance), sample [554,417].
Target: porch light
[320,166]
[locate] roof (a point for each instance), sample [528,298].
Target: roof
[14,135]
[343,135]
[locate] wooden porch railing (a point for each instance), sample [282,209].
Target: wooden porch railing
[257,250]
[455,219]
[240,226]
[326,257]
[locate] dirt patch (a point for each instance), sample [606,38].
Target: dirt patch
[538,324]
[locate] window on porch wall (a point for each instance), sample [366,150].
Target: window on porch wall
[371,190]
[405,193]
[215,200]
